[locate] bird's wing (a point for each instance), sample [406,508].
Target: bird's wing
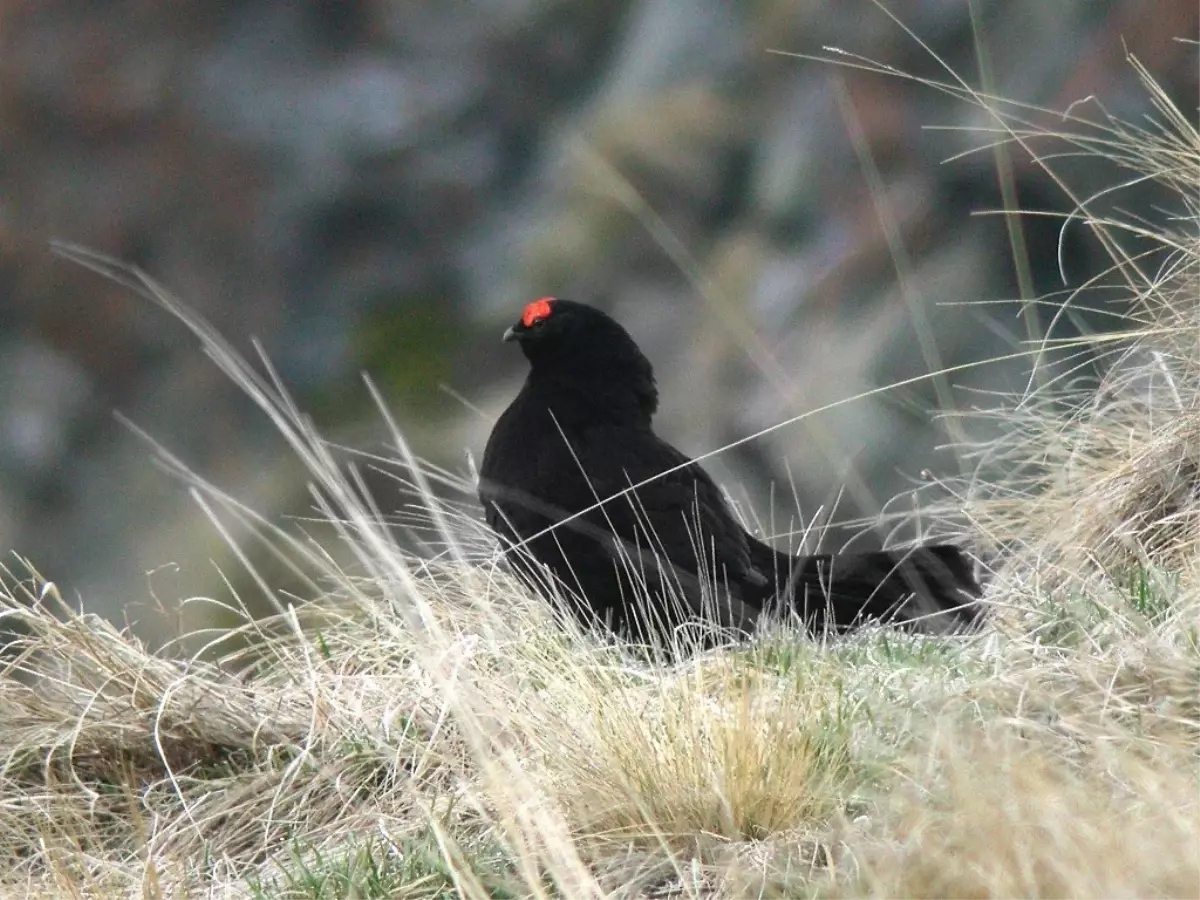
[680,516]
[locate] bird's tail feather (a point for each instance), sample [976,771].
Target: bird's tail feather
[931,588]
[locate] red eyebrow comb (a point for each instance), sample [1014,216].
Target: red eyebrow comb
[536,311]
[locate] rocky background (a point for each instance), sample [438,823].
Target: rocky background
[365,184]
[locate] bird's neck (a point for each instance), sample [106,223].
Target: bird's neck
[577,402]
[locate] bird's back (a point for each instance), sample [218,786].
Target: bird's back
[620,517]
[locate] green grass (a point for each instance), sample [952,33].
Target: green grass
[368,867]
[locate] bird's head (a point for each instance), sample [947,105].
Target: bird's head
[564,339]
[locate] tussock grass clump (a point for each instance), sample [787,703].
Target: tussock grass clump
[1109,468]
[136,764]
[718,751]
[989,814]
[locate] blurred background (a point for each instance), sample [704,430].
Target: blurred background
[381,185]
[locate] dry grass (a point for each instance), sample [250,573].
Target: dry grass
[424,730]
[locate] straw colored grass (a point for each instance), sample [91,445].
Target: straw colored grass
[425,728]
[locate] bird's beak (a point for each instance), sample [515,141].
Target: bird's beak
[510,335]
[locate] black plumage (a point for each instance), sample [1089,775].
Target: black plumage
[582,492]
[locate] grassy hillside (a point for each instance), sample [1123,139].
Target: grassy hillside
[425,730]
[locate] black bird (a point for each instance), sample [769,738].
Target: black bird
[591,505]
